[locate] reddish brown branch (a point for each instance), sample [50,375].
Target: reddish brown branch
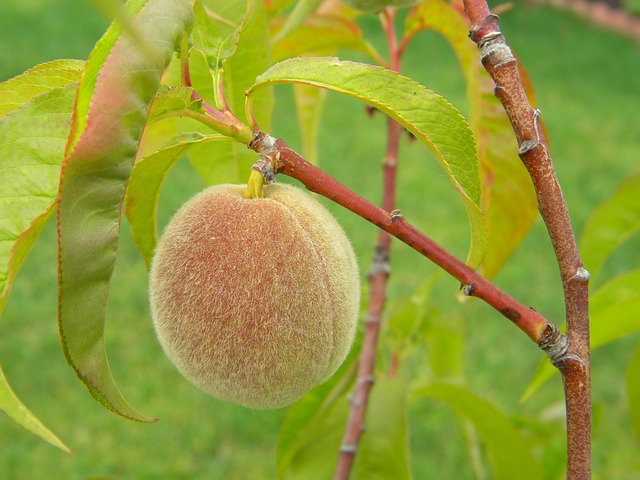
[378,278]
[501,64]
[287,161]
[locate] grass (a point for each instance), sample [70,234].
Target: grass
[588,92]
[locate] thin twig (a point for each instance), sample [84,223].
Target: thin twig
[287,161]
[378,277]
[501,64]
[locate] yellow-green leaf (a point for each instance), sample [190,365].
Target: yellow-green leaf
[32,142]
[508,197]
[13,407]
[428,116]
[145,184]
[611,224]
[117,86]
[507,449]
[36,81]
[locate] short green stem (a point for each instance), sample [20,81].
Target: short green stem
[255,185]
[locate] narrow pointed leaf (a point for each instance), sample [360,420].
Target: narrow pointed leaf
[174,102]
[145,184]
[633,393]
[275,7]
[32,142]
[508,197]
[407,319]
[315,439]
[506,448]
[428,116]
[90,74]
[298,15]
[117,86]
[321,35]
[307,425]
[13,407]
[252,56]
[208,38]
[309,103]
[116,11]
[232,161]
[611,224]
[318,35]
[615,313]
[384,450]
[36,81]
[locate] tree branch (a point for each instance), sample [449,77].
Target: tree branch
[288,162]
[378,278]
[501,64]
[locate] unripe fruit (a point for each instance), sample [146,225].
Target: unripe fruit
[374,6]
[255,300]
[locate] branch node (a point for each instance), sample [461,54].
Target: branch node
[263,143]
[265,167]
[469,289]
[371,319]
[395,215]
[348,448]
[355,400]
[381,263]
[555,344]
[582,275]
[528,146]
[480,34]
[367,379]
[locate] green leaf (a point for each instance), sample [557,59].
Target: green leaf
[13,407]
[612,223]
[633,393]
[444,338]
[615,309]
[309,103]
[417,322]
[314,426]
[384,448]
[174,102]
[94,64]
[299,14]
[508,197]
[36,81]
[507,449]
[210,40]
[231,162]
[428,116]
[615,313]
[405,326]
[313,430]
[251,57]
[275,7]
[318,35]
[32,142]
[145,184]
[321,35]
[114,95]
[117,12]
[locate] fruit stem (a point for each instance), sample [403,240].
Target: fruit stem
[255,185]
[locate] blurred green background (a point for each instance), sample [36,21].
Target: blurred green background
[587,81]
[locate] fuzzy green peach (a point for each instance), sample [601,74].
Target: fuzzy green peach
[255,301]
